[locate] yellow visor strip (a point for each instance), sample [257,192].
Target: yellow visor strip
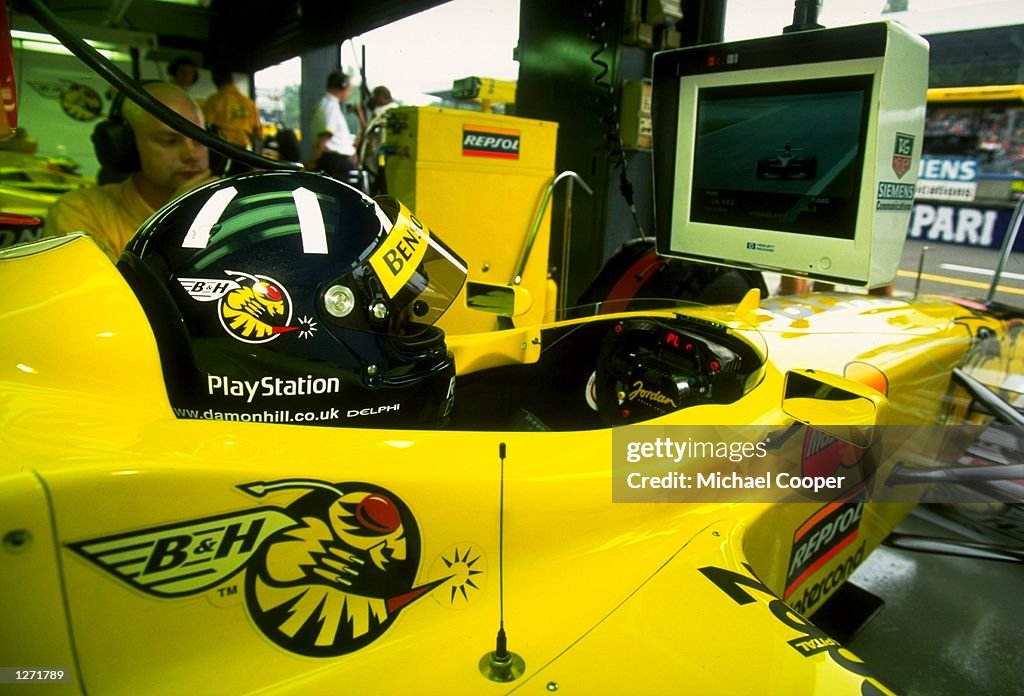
[401,252]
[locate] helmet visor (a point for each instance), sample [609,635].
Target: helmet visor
[419,274]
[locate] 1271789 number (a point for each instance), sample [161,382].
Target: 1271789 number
[14,675]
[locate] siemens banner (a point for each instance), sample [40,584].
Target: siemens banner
[947,178]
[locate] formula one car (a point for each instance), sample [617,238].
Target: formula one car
[787,163]
[42,179]
[245,459]
[173,513]
[29,186]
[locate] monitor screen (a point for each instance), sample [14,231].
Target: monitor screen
[795,153]
[761,158]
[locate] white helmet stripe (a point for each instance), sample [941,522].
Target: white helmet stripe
[311,221]
[199,233]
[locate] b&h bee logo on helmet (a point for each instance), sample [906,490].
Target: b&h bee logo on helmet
[252,309]
[324,575]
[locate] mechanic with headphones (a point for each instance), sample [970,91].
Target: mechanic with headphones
[334,149]
[162,163]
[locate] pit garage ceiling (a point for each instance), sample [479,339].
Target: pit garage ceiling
[252,33]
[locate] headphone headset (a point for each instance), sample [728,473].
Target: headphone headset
[114,140]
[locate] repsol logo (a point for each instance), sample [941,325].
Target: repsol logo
[487,142]
[822,536]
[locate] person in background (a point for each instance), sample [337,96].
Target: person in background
[372,139]
[166,165]
[382,100]
[334,146]
[183,72]
[234,115]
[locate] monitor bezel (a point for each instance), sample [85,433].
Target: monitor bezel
[819,54]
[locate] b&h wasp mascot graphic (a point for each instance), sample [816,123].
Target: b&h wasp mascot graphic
[243,308]
[335,581]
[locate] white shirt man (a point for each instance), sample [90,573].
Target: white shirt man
[334,147]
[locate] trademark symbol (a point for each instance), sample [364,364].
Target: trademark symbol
[225,596]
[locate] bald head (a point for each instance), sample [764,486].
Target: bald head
[168,158]
[168,94]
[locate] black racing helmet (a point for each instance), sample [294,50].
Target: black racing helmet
[294,298]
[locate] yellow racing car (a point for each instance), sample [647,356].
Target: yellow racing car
[624,494]
[247,459]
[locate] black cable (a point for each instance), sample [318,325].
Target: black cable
[365,96]
[610,109]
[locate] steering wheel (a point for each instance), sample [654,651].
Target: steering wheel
[636,378]
[647,368]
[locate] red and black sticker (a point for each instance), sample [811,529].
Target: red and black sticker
[17,229]
[483,141]
[824,454]
[324,575]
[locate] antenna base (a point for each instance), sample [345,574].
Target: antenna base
[502,669]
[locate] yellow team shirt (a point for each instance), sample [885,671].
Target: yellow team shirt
[110,214]
[234,114]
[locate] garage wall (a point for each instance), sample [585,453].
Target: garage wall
[41,79]
[560,79]
[557,83]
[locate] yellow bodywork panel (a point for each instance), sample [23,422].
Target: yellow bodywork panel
[193,556]
[484,176]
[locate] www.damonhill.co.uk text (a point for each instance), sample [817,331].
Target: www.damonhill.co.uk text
[666,449]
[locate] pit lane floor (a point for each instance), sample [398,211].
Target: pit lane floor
[949,625]
[959,270]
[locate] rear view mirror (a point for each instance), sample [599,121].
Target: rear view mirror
[835,405]
[503,300]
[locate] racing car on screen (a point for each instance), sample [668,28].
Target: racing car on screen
[788,162]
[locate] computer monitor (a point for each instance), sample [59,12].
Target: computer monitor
[795,153]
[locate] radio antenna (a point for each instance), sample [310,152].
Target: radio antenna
[500,665]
